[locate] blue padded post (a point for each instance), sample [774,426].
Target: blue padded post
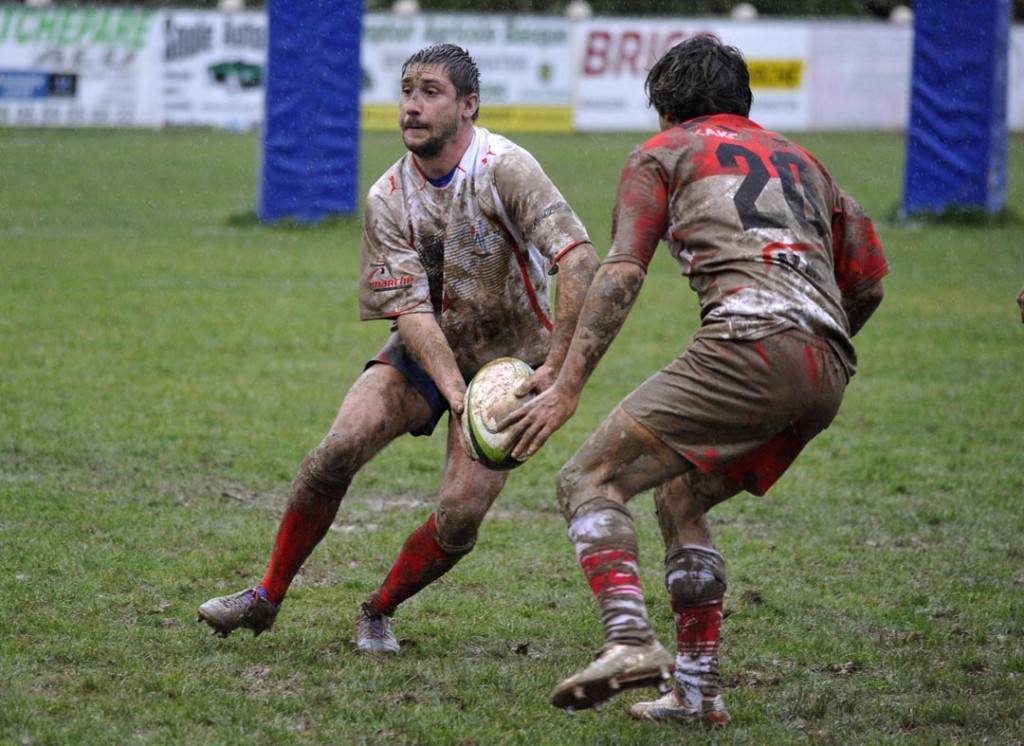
[310,165]
[957,134]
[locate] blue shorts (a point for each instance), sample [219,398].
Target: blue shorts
[395,354]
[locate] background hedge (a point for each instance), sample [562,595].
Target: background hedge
[865,9]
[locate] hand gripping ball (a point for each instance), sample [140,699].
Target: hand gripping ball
[489,398]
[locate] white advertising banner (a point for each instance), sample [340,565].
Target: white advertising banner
[525,65]
[78,67]
[214,68]
[131,67]
[860,75]
[614,55]
[1015,102]
[522,59]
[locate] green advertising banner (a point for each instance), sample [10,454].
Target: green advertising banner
[71,67]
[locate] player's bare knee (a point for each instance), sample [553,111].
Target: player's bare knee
[330,467]
[457,524]
[578,496]
[569,490]
[694,575]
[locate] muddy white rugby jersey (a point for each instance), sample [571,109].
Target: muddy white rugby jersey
[478,252]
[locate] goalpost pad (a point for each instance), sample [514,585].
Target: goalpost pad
[310,143]
[957,134]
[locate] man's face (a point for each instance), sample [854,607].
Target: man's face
[429,114]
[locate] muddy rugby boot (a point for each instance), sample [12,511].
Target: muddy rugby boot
[374,634]
[668,709]
[247,609]
[616,668]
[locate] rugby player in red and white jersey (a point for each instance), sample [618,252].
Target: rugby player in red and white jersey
[461,237]
[787,268]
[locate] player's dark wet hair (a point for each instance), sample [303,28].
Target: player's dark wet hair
[458,65]
[698,77]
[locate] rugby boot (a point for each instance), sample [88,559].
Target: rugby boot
[617,667]
[669,709]
[247,609]
[374,633]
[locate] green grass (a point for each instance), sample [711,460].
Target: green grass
[165,368]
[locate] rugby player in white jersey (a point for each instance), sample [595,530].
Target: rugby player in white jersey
[461,239]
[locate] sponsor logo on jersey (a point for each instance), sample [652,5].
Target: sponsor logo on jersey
[789,255]
[381,280]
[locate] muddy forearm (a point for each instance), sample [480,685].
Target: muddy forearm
[430,349]
[575,276]
[608,303]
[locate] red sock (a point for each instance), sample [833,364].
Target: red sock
[605,543]
[420,562]
[304,524]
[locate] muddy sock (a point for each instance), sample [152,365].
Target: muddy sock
[605,541]
[695,578]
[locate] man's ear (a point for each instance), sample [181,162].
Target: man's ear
[470,103]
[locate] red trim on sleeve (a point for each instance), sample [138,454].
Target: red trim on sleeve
[613,258]
[410,309]
[567,249]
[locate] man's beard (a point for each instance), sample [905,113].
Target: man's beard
[435,144]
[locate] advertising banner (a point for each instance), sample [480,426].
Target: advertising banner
[78,67]
[130,67]
[614,55]
[214,66]
[1015,99]
[525,65]
[860,75]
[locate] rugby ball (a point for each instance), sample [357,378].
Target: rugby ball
[490,396]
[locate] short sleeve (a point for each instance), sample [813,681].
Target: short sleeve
[393,281]
[534,204]
[640,215]
[858,257]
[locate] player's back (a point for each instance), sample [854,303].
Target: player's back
[750,224]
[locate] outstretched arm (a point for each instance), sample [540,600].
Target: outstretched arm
[608,303]
[639,220]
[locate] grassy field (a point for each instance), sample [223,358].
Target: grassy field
[165,369]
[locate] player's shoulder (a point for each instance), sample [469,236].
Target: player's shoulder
[507,164]
[496,149]
[391,181]
[496,142]
[675,142]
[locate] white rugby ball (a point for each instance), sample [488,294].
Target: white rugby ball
[490,396]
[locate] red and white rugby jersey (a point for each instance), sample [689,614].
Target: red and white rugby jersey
[766,237]
[477,252]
